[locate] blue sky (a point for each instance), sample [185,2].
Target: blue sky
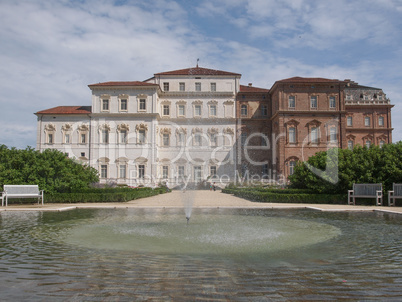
[51,50]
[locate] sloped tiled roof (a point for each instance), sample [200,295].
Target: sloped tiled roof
[123,83]
[198,71]
[67,110]
[244,88]
[308,80]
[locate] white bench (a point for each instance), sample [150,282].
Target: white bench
[394,194]
[365,191]
[21,191]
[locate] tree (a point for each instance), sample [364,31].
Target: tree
[52,170]
[360,165]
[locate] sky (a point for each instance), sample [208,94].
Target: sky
[50,51]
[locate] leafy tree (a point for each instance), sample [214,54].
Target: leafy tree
[52,170]
[360,165]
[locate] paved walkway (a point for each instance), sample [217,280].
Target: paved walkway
[199,199]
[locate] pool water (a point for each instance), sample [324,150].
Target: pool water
[221,255]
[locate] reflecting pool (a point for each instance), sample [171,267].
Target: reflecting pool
[222,255]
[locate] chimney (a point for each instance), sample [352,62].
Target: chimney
[250,84]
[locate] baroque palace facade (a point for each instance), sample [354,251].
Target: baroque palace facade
[195,124]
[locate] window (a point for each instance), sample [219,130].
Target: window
[197,110]
[197,139]
[314,135]
[349,121]
[105,105]
[368,143]
[103,171]
[166,110]
[212,171]
[180,139]
[122,171]
[141,171]
[243,110]
[67,138]
[367,121]
[214,139]
[332,135]
[332,102]
[165,171]
[313,102]
[265,170]
[83,138]
[350,144]
[82,154]
[212,110]
[264,110]
[105,136]
[292,101]
[143,105]
[197,86]
[50,138]
[292,165]
[292,135]
[182,86]
[243,138]
[381,121]
[197,174]
[123,105]
[123,136]
[165,86]
[213,86]
[382,143]
[182,110]
[141,136]
[165,139]
[181,171]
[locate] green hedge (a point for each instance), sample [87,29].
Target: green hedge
[103,195]
[286,196]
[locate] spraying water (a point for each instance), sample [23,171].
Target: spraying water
[188,200]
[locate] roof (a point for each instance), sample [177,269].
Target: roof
[198,71]
[308,80]
[244,88]
[67,110]
[123,83]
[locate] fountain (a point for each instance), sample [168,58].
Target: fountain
[226,254]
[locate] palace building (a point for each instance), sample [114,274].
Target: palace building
[195,124]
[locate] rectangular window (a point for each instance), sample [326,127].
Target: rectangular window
[197,86]
[292,135]
[181,171]
[123,136]
[197,174]
[349,121]
[143,104]
[332,102]
[313,102]
[368,143]
[166,139]
[141,171]
[350,145]
[197,110]
[105,136]
[122,171]
[212,171]
[367,121]
[214,140]
[292,165]
[314,135]
[105,105]
[103,171]
[265,170]
[381,121]
[165,171]
[165,86]
[243,110]
[197,139]
[123,105]
[212,110]
[67,138]
[180,139]
[166,110]
[182,110]
[182,86]
[292,101]
[382,143]
[332,135]
[264,110]
[141,136]
[83,138]
[50,138]
[213,86]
